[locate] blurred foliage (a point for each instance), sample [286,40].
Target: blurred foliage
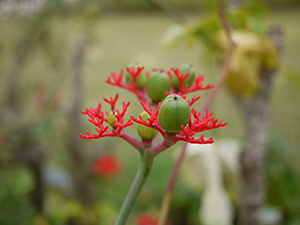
[242,18]
[188,5]
[15,203]
[282,172]
[95,7]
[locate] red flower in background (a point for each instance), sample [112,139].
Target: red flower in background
[148,219]
[144,219]
[106,164]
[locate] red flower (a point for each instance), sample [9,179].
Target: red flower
[97,117]
[144,219]
[106,164]
[197,84]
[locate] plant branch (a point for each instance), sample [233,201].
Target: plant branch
[169,190]
[164,210]
[139,181]
[131,140]
[225,69]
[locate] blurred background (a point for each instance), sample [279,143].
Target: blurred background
[55,56]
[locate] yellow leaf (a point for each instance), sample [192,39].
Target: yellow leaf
[243,76]
[252,54]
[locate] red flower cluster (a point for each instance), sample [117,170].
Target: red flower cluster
[97,117]
[197,123]
[106,164]
[116,79]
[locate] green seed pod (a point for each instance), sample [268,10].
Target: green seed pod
[174,112]
[141,79]
[111,119]
[146,133]
[157,85]
[184,68]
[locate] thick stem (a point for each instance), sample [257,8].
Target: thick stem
[166,143]
[256,112]
[131,140]
[136,187]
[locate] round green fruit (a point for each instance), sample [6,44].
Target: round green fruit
[174,112]
[157,85]
[146,133]
[141,79]
[111,119]
[184,68]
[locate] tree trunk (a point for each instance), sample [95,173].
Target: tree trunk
[256,112]
[256,115]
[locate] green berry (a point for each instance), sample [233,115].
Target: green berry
[146,133]
[141,79]
[184,68]
[157,85]
[111,119]
[174,112]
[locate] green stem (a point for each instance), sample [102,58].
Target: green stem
[139,180]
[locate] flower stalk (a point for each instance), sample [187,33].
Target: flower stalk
[139,181]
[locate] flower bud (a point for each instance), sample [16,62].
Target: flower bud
[184,68]
[174,112]
[157,85]
[141,79]
[111,119]
[146,133]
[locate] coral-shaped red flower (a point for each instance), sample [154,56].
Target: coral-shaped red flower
[106,164]
[184,131]
[199,125]
[97,117]
[116,79]
[196,85]
[195,125]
